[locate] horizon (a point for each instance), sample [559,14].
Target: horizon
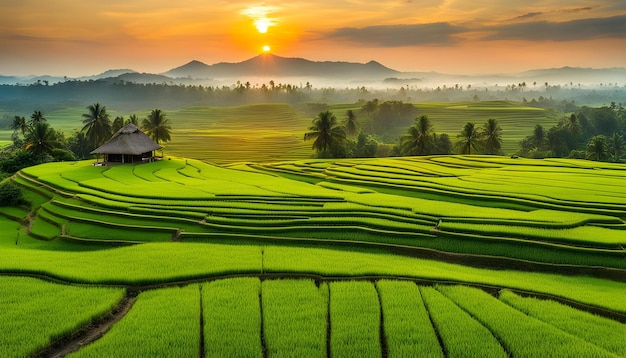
[173,67]
[451,37]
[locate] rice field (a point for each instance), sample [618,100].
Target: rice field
[359,257]
[300,317]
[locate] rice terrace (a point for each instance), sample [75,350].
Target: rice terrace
[411,256]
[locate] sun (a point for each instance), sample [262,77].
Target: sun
[266,48]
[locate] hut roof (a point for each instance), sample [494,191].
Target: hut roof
[128,140]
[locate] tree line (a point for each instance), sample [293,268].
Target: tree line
[589,133]
[35,141]
[334,139]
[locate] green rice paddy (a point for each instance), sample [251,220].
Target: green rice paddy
[366,257]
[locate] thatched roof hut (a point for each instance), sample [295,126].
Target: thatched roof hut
[128,145]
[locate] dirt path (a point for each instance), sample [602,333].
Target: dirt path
[90,333]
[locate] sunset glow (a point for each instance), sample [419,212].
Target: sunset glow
[266,48]
[454,36]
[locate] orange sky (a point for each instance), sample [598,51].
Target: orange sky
[84,37]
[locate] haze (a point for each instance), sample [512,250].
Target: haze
[74,38]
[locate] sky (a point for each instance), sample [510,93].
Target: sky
[85,37]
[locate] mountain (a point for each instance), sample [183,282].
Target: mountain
[269,65]
[577,75]
[107,74]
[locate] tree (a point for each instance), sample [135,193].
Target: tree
[597,148]
[443,145]
[19,125]
[418,141]
[37,117]
[327,135]
[573,125]
[350,124]
[616,147]
[469,139]
[97,124]
[41,139]
[157,127]
[492,137]
[79,145]
[133,119]
[118,123]
[539,136]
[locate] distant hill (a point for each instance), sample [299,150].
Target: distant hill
[271,65]
[577,75]
[107,74]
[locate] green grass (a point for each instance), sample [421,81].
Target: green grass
[35,313]
[161,323]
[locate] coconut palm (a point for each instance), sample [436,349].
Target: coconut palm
[326,133]
[350,124]
[157,126]
[36,117]
[41,139]
[133,119]
[468,139]
[616,146]
[19,125]
[97,124]
[118,123]
[597,148]
[418,140]
[492,136]
[539,135]
[573,125]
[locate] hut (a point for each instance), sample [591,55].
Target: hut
[128,145]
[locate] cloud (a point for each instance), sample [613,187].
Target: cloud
[585,29]
[528,15]
[440,33]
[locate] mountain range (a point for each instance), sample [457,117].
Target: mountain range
[270,66]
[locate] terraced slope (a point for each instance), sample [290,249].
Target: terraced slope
[549,212]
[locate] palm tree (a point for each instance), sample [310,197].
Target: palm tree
[41,139]
[19,125]
[492,137]
[418,141]
[539,135]
[597,148]
[327,134]
[133,119]
[97,124]
[469,139]
[118,123]
[573,125]
[616,146]
[36,117]
[350,123]
[157,127]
